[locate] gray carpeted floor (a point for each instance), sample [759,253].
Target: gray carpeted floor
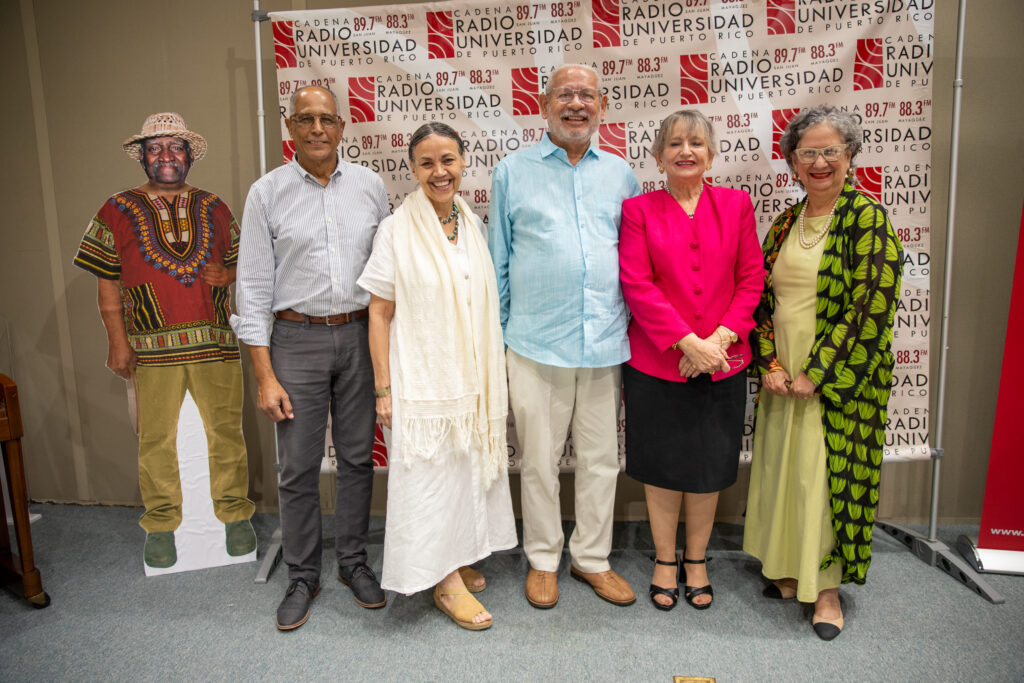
[108,621]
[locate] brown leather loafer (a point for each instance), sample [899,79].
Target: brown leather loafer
[607,585]
[542,588]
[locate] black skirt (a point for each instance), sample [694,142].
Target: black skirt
[684,436]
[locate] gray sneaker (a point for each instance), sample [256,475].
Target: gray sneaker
[294,609]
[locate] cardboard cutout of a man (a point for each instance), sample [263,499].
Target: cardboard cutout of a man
[164,256]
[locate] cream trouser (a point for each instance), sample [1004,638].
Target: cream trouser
[546,401]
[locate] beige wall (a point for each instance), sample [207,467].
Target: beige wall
[85,74]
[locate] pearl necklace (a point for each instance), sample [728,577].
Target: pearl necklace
[695,203]
[810,244]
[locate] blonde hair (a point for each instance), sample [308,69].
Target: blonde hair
[693,120]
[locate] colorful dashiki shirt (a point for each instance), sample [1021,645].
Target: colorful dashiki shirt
[157,249]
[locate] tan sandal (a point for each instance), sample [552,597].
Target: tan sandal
[469,577]
[464,608]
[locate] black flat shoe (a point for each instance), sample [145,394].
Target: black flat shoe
[773,592]
[689,592]
[826,631]
[671,593]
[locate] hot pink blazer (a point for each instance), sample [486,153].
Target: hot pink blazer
[681,275]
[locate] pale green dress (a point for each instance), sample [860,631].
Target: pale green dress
[789,525]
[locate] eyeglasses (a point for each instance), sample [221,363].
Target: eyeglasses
[566,95]
[327,121]
[735,361]
[808,155]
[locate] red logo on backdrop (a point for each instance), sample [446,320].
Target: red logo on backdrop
[693,79]
[781,16]
[440,35]
[288,150]
[611,137]
[867,69]
[525,90]
[780,119]
[284,44]
[869,181]
[380,449]
[606,23]
[360,99]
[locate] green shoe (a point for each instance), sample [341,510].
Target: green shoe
[241,539]
[160,552]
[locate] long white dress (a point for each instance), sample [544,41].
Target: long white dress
[439,515]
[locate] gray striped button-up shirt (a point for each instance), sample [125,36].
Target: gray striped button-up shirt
[303,245]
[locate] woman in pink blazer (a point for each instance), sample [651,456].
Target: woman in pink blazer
[692,274]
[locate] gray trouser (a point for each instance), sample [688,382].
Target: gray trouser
[324,368]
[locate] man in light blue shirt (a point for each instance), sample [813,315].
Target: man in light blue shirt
[554,237]
[308,230]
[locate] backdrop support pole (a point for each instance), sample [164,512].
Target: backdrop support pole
[930,549]
[273,554]
[257,17]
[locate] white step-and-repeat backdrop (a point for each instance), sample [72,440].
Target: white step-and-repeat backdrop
[749,65]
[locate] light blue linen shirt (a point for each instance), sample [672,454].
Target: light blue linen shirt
[554,239]
[304,245]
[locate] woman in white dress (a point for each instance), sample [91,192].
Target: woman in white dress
[440,385]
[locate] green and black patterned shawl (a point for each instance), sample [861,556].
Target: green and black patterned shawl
[851,362]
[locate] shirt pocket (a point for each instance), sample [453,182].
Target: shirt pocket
[221,305]
[142,310]
[604,213]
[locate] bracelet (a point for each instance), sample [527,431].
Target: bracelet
[381,393]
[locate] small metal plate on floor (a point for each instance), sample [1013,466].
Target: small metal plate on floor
[692,679]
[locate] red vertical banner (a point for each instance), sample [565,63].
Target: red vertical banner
[1002,516]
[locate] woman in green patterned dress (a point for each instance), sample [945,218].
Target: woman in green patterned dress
[824,356]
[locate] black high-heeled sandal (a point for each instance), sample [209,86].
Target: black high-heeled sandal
[670,593]
[689,592]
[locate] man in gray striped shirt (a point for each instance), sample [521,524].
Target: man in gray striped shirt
[307,231]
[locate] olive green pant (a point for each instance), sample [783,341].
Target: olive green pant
[217,390]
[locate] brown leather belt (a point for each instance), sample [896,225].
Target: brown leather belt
[340,319]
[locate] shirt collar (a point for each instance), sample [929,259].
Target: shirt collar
[306,174]
[547,148]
